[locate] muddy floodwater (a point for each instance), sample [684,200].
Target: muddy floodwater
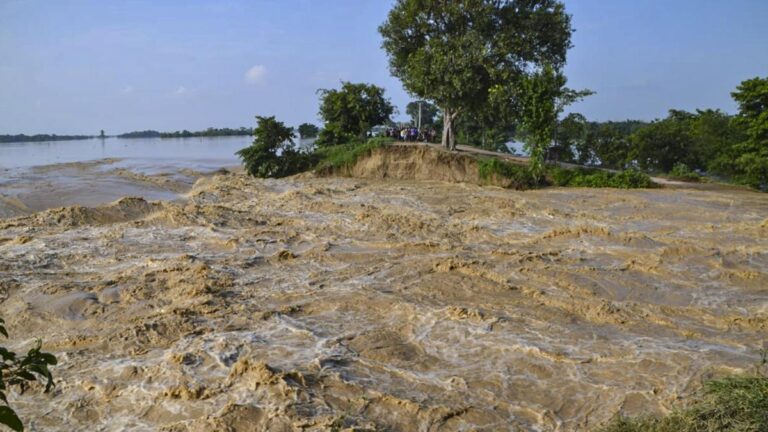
[320,303]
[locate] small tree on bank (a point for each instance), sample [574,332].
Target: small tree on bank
[273,152]
[350,112]
[545,96]
[539,117]
[470,55]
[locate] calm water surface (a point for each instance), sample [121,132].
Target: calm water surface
[37,176]
[204,153]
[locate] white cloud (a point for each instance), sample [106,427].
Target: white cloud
[256,74]
[181,91]
[127,90]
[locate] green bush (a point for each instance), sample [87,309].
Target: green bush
[332,158]
[730,404]
[681,172]
[273,152]
[595,178]
[518,176]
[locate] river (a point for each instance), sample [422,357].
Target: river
[36,176]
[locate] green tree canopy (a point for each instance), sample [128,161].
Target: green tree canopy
[352,111]
[609,144]
[307,130]
[470,55]
[272,147]
[429,113]
[570,138]
[664,143]
[539,115]
[752,160]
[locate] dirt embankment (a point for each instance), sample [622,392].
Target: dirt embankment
[409,305]
[419,162]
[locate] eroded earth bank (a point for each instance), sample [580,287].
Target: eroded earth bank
[320,303]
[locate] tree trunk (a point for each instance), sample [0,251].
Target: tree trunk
[449,140]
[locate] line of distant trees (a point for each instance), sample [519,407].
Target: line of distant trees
[210,132]
[141,134]
[41,138]
[705,141]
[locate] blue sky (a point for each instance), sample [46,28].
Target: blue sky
[80,66]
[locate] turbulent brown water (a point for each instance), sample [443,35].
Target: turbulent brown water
[321,303]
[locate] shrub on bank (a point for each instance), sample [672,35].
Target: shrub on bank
[595,178]
[517,176]
[681,172]
[273,152]
[729,404]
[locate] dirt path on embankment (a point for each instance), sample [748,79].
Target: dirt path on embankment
[524,160]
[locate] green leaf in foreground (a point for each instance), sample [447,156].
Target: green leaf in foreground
[18,371]
[10,419]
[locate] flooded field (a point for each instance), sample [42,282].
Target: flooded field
[319,303]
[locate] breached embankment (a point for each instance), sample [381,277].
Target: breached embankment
[318,303]
[411,162]
[419,162]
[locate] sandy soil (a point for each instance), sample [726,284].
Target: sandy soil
[321,303]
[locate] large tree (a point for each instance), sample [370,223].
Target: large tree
[752,161]
[352,111]
[470,55]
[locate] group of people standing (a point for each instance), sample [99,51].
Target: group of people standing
[409,133]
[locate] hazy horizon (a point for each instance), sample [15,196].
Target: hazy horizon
[82,66]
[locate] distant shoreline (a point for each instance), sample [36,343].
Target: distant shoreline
[42,138]
[208,133]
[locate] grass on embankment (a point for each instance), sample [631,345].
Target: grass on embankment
[333,158]
[737,404]
[490,170]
